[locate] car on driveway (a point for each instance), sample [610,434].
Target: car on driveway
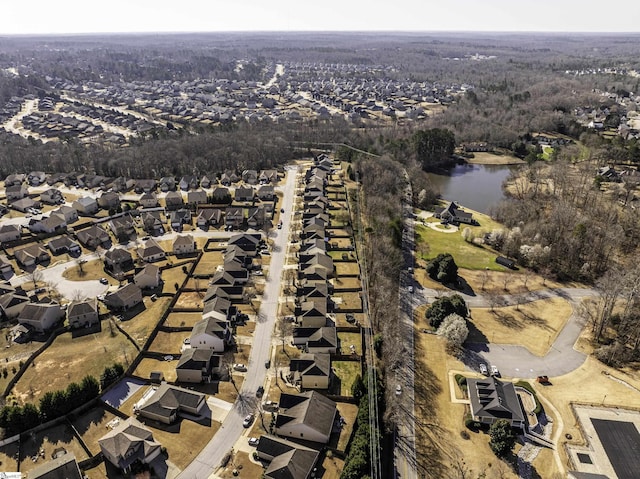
[168,357]
[248,421]
[270,406]
[104,281]
[260,392]
[239,367]
[483,369]
[254,441]
[494,371]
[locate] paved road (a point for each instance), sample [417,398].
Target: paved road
[214,452]
[517,361]
[405,441]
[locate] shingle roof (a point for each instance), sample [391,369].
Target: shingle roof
[495,399]
[310,408]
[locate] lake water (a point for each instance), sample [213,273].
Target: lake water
[478,187]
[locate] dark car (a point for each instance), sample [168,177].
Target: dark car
[260,392]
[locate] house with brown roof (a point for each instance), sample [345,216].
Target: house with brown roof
[118,260]
[311,371]
[40,316]
[85,205]
[31,255]
[83,313]
[286,459]
[125,298]
[169,401]
[10,233]
[309,416]
[151,251]
[184,244]
[197,365]
[148,277]
[128,443]
[94,236]
[61,467]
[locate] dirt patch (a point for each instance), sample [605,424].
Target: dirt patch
[534,325]
[190,300]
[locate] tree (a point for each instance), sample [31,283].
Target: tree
[443,307]
[285,328]
[502,438]
[36,276]
[81,262]
[358,388]
[443,268]
[454,329]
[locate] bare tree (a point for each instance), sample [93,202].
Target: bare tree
[36,276]
[285,329]
[80,262]
[484,277]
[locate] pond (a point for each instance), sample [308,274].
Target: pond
[478,187]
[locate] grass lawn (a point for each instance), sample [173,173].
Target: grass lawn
[92,425]
[347,283]
[172,276]
[93,269]
[347,339]
[515,281]
[241,463]
[345,372]
[333,467]
[341,242]
[147,365]
[49,440]
[284,357]
[466,255]
[208,263]
[185,439]
[588,385]
[169,343]
[486,158]
[348,301]
[347,269]
[69,359]
[535,325]
[190,300]
[341,319]
[182,319]
[349,412]
[140,326]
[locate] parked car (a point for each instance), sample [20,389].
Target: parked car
[239,367]
[187,341]
[254,441]
[270,406]
[398,390]
[281,210]
[168,357]
[410,289]
[248,421]
[104,281]
[494,371]
[260,392]
[483,369]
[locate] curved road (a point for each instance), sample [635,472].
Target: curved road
[518,361]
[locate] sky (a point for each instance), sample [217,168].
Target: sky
[87,16]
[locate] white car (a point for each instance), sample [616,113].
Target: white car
[254,441]
[168,357]
[483,369]
[410,289]
[239,367]
[248,420]
[494,370]
[398,390]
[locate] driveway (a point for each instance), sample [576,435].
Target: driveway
[518,361]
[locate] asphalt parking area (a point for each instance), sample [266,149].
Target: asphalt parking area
[621,442]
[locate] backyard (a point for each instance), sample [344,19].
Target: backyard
[142,324]
[169,343]
[345,374]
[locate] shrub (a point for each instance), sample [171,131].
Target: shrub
[443,307]
[443,268]
[502,438]
[461,380]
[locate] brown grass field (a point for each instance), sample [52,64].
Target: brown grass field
[92,425]
[9,455]
[533,325]
[345,372]
[92,270]
[49,440]
[69,359]
[348,269]
[190,300]
[169,343]
[182,319]
[486,158]
[350,301]
[344,283]
[347,339]
[208,263]
[242,464]
[147,365]
[142,324]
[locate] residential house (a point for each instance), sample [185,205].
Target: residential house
[122,184]
[309,416]
[86,205]
[60,467]
[286,459]
[148,277]
[255,217]
[316,340]
[70,214]
[266,193]
[207,181]
[197,197]
[152,224]
[167,183]
[118,260]
[109,200]
[184,244]
[268,176]
[49,225]
[173,200]
[125,298]
[129,443]
[62,245]
[10,232]
[149,200]
[151,251]
[16,192]
[123,228]
[312,313]
[250,177]
[311,371]
[210,333]
[169,401]
[14,180]
[145,186]
[229,177]
[236,269]
[179,218]
[52,196]
[453,214]
[23,205]
[12,301]
[6,269]
[234,217]
[83,313]
[189,182]
[221,196]
[197,365]
[218,308]
[492,399]
[40,317]
[31,255]
[247,242]
[244,194]
[208,217]
[317,259]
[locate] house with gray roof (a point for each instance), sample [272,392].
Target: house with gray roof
[210,333]
[169,401]
[452,213]
[309,416]
[94,236]
[86,205]
[197,365]
[148,277]
[40,317]
[62,467]
[118,260]
[286,459]
[128,443]
[492,399]
[125,298]
[311,371]
[83,313]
